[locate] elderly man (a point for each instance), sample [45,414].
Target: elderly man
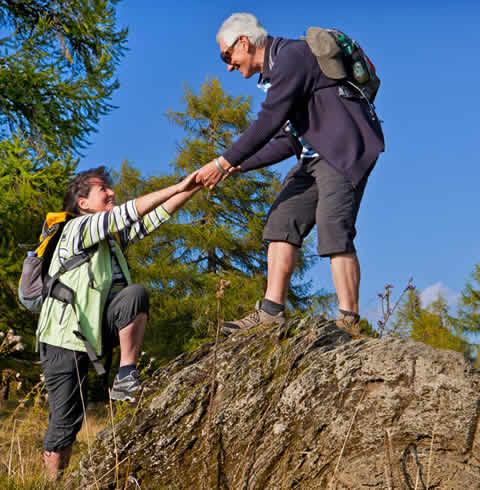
[337,142]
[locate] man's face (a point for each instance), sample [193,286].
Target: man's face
[100,198]
[239,56]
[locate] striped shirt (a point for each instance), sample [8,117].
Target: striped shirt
[307,150]
[122,223]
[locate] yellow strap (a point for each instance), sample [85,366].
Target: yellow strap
[51,219]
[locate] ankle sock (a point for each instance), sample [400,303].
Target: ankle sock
[271,307]
[124,371]
[348,315]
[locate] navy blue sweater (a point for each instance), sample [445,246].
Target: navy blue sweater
[340,130]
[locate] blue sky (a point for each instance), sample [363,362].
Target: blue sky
[419,216]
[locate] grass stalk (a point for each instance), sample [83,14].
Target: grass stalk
[128,471]
[431,451]
[137,406]
[100,478]
[20,459]
[10,456]
[114,437]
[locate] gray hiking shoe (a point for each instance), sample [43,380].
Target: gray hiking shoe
[252,320]
[126,389]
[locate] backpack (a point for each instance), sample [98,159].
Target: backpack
[35,283]
[341,58]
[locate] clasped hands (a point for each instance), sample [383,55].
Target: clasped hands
[210,174]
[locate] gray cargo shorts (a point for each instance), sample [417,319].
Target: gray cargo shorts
[315,193]
[66,371]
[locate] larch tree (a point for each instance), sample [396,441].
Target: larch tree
[432,325]
[469,303]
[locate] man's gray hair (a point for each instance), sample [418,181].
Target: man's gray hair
[242,24]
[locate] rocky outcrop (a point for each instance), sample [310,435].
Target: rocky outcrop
[304,406]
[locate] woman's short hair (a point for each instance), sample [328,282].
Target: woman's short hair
[242,24]
[80,187]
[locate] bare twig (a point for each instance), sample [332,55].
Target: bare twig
[387,311]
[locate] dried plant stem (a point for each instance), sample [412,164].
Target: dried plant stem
[388,312]
[136,407]
[108,472]
[347,436]
[10,456]
[114,437]
[22,472]
[213,373]
[221,286]
[388,460]
[418,476]
[431,451]
[126,475]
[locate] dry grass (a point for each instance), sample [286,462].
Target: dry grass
[21,453]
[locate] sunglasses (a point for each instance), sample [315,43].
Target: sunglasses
[226,56]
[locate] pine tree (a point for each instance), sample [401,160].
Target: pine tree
[215,239]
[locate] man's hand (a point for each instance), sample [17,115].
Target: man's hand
[209,175]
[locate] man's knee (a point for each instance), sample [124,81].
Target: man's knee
[283,254]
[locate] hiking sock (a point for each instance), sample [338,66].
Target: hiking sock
[124,371]
[271,307]
[348,315]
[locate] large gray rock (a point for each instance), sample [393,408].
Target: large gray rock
[300,407]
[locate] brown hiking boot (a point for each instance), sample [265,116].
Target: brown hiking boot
[349,323]
[252,320]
